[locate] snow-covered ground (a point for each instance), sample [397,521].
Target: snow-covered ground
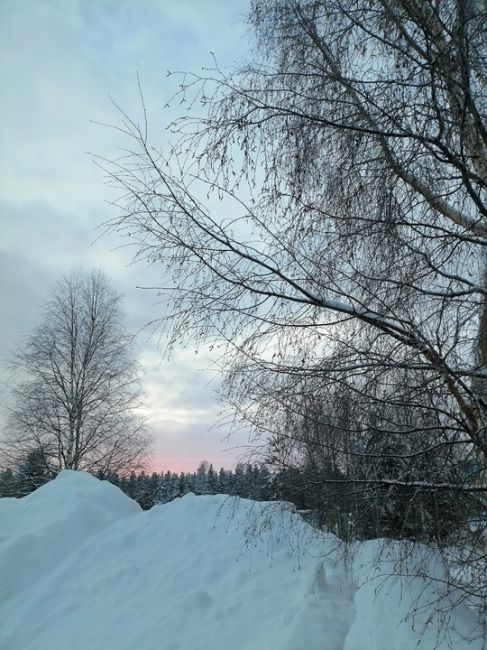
[83,568]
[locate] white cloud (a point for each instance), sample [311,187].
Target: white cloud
[60,59]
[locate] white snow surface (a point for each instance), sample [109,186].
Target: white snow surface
[82,567]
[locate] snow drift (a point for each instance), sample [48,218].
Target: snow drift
[83,568]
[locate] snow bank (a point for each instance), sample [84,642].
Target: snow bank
[38,531]
[402,601]
[83,568]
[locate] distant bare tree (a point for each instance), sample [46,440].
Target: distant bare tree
[77,397]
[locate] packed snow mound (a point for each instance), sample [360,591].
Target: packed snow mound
[83,568]
[38,531]
[402,601]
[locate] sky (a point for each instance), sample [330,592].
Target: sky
[61,62]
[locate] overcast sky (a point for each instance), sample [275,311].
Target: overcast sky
[60,61]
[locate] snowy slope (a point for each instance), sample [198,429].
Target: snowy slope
[83,568]
[40,530]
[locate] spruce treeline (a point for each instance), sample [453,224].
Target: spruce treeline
[246,480]
[249,481]
[326,505]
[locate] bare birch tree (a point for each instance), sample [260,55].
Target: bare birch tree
[343,242]
[77,397]
[359,239]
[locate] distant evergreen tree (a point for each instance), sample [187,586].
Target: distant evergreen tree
[8,484]
[169,487]
[222,484]
[142,491]
[265,482]
[112,477]
[153,489]
[132,486]
[238,483]
[212,481]
[32,472]
[201,481]
[183,484]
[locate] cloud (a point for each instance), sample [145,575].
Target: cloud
[60,61]
[23,285]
